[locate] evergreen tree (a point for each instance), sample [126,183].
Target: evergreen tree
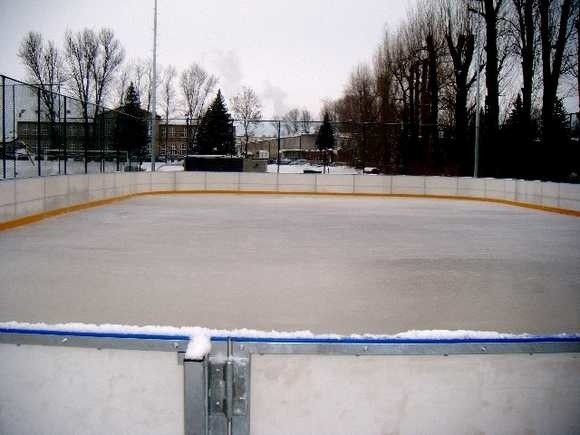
[216,132]
[131,127]
[325,139]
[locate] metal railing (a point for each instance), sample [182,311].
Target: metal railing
[217,389]
[45,132]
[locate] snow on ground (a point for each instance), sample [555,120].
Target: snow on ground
[299,169]
[28,169]
[328,265]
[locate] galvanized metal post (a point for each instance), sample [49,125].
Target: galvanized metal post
[279,147]
[64,139]
[102,139]
[195,397]
[4,127]
[14,132]
[38,150]
[154,89]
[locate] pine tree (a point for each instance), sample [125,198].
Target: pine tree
[216,133]
[131,128]
[325,139]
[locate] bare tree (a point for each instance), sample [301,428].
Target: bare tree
[431,28]
[168,95]
[292,122]
[523,24]
[492,12]
[92,60]
[247,108]
[578,56]
[556,27]
[43,64]
[461,45]
[577,70]
[383,72]
[305,121]
[195,85]
[110,55]
[121,85]
[81,51]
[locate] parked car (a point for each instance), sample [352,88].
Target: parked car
[371,170]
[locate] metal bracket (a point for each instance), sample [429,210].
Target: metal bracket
[228,390]
[229,387]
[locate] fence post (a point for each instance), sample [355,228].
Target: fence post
[14,132]
[195,397]
[38,150]
[278,147]
[65,138]
[87,135]
[101,136]
[115,119]
[4,127]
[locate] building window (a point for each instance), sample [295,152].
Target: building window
[171,131]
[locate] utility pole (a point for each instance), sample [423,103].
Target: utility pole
[154,88]
[278,170]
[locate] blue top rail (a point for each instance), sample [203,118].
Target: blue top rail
[561,338]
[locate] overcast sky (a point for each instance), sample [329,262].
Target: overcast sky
[294,53]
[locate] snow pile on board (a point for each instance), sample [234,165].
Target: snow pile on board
[200,338]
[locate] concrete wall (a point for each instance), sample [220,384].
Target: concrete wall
[24,197]
[58,390]
[459,394]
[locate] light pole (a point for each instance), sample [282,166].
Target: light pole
[154,88]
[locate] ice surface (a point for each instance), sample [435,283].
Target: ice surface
[338,265]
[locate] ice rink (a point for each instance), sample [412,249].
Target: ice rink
[326,264]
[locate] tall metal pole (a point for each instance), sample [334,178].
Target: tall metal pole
[38,131]
[14,132]
[154,89]
[278,147]
[64,139]
[477,104]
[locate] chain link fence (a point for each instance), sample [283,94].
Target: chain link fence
[44,132]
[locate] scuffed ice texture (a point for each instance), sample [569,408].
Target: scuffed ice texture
[285,263]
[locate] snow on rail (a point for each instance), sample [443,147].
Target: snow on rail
[200,338]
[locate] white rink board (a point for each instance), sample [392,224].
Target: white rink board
[58,390]
[459,394]
[24,197]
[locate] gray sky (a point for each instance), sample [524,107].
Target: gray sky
[294,53]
